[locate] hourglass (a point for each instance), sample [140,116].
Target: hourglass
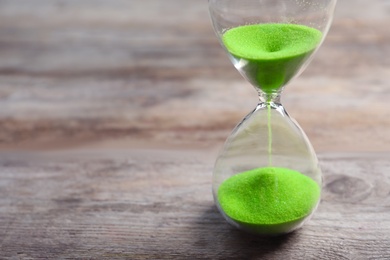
[267,180]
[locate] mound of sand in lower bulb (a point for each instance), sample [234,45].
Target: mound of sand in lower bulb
[268,200]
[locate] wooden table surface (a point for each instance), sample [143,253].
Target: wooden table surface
[112,114]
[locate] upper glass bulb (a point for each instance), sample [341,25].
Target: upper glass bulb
[271,41]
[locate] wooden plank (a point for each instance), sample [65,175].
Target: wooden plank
[105,75]
[156,204]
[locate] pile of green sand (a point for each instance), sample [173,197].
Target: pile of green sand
[268,200]
[274,52]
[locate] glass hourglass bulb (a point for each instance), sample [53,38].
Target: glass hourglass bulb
[266,179]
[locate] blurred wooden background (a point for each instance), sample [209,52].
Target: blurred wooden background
[82,72]
[112,112]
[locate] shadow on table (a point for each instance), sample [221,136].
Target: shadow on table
[215,237]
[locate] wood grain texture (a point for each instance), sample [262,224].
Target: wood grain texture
[106,79]
[148,204]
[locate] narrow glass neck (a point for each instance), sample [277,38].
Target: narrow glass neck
[269,97]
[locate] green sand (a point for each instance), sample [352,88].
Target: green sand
[268,200]
[269,134]
[274,52]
